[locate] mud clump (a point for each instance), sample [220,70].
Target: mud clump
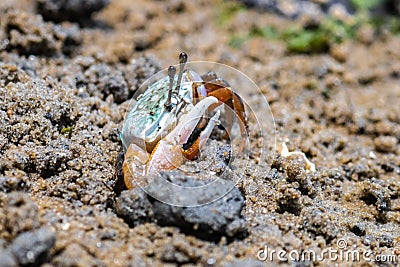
[121,83]
[75,10]
[25,241]
[13,183]
[76,255]
[32,248]
[28,34]
[19,214]
[214,212]
[386,144]
[320,221]
[376,195]
[134,207]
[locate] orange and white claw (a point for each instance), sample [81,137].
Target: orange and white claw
[167,154]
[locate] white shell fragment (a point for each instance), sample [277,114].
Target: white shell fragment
[310,167]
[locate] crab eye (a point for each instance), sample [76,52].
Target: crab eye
[183,57]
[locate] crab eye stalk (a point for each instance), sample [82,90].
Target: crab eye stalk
[171,75]
[183,57]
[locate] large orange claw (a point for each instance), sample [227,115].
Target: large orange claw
[169,152]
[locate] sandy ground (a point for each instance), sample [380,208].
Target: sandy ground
[65,89]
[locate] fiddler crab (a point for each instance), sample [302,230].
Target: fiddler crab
[169,122]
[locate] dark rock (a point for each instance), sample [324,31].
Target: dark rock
[72,10]
[215,208]
[134,207]
[31,248]
[198,205]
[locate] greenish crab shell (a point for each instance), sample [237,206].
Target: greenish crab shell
[149,120]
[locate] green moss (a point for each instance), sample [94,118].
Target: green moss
[237,41]
[265,32]
[67,130]
[394,25]
[365,4]
[308,41]
[227,10]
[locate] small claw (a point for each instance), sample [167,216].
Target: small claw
[205,134]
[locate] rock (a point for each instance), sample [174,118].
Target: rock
[210,217]
[7,259]
[339,52]
[134,207]
[72,10]
[202,206]
[366,34]
[32,247]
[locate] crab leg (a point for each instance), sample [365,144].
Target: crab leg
[135,160]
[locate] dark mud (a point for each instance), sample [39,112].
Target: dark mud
[65,89]
[75,10]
